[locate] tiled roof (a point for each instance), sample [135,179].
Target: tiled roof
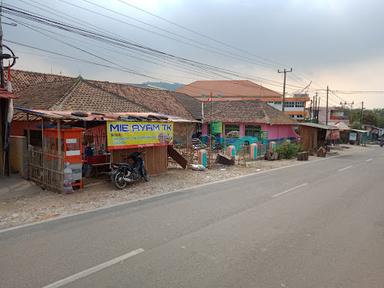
[23,79]
[227,88]
[48,91]
[190,103]
[244,112]
[161,101]
[44,95]
[87,97]
[74,94]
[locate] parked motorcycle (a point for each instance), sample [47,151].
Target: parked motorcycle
[125,173]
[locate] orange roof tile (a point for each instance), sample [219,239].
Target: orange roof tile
[56,92]
[244,112]
[227,88]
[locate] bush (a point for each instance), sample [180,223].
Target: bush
[288,150]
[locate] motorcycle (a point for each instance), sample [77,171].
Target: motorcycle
[125,173]
[382,142]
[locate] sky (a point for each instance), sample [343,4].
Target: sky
[329,42]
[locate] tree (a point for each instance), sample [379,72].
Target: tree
[369,117]
[380,117]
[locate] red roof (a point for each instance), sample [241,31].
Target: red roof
[5,94]
[227,88]
[56,92]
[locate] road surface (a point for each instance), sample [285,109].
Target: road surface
[320,224]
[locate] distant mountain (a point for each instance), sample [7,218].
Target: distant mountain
[160,85]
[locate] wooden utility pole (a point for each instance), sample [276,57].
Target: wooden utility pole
[318,110]
[326,109]
[285,71]
[315,107]
[3,109]
[362,114]
[311,110]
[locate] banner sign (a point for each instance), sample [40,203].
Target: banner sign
[123,135]
[352,136]
[216,127]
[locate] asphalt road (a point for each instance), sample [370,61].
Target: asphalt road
[320,224]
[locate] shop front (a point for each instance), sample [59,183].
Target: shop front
[88,144]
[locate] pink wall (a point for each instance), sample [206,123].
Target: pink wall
[204,129]
[274,131]
[279,131]
[242,130]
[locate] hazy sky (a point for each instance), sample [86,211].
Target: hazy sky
[331,42]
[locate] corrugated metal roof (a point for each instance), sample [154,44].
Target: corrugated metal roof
[319,126]
[95,116]
[360,131]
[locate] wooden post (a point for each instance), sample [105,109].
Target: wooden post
[60,164]
[28,143]
[42,150]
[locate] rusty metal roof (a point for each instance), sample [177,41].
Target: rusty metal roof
[95,116]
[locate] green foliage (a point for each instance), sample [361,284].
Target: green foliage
[380,117]
[289,150]
[371,117]
[356,125]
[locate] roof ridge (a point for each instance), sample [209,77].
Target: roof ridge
[88,82]
[39,83]
[58,105]
[41,73]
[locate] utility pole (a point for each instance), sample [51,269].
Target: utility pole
[310,110]
[285,71]
[362,114]
[315,107]
[326,109]
[3,108]
[318,110]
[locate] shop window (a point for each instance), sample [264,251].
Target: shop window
[252,130]
[231,129]
[289,104]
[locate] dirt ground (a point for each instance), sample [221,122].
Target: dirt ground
[24,202]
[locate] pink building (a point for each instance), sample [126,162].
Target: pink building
[249,118]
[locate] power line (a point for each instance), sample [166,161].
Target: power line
[246,59]
[66,56]
[192,42]
[201,34]
[271,62]
[359,91]
[135,48]
[87,52]
[127,44]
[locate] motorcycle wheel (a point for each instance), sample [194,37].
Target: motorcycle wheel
[118,180]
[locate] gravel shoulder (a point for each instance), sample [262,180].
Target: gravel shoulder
[23,202]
